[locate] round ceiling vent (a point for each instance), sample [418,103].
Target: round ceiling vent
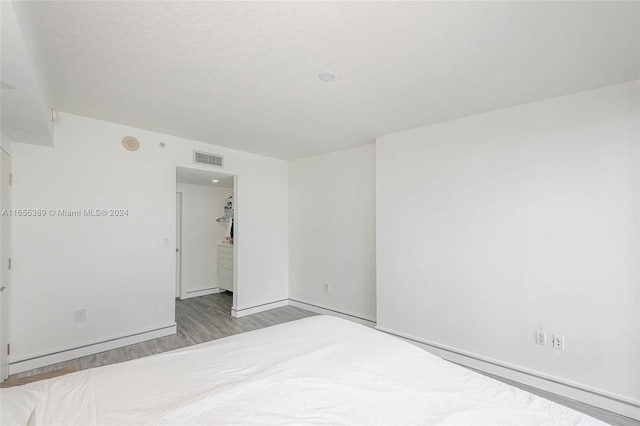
[130,143]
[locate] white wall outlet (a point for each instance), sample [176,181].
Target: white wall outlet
[558,342]
[325,287]
[165,243]
[81,315]
[541,338]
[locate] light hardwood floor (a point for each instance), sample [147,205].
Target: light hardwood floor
[205,318]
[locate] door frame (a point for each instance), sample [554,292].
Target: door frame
[5,273]
[178,291]
[236,197]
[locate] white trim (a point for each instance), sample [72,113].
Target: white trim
[333,312]
[243,312]
[37,361]
[178,243]
[236,212]
[586,394]
[197,293]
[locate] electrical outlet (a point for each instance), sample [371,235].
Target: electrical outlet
[541,338]
[558,342]
[325,287]
[165,243]
[81,315]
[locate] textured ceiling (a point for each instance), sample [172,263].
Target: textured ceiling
[25,101]
[245,74]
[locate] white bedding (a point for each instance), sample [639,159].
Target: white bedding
[319,370]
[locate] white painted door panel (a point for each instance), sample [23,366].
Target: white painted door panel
[5,247]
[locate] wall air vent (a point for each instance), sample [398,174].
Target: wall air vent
[208,159]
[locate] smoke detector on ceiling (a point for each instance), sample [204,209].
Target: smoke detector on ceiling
[327,76]
[130,143]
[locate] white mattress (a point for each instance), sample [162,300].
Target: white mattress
[319,370]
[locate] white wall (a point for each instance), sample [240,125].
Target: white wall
[496,225]
[332,231]
[201,233]
[117,267]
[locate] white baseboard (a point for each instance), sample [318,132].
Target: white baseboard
[29,363]
[598,398]
[328,311]
[197,293]
[243,312]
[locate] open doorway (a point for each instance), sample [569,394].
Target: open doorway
[205,243]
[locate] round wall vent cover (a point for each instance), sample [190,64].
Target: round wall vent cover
[130,143]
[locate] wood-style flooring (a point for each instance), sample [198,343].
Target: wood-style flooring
[205,318]
[19,381]
[199,319]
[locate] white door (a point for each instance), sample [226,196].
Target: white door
[178,242]
[5,245]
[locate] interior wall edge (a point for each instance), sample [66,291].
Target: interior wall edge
[333,231]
